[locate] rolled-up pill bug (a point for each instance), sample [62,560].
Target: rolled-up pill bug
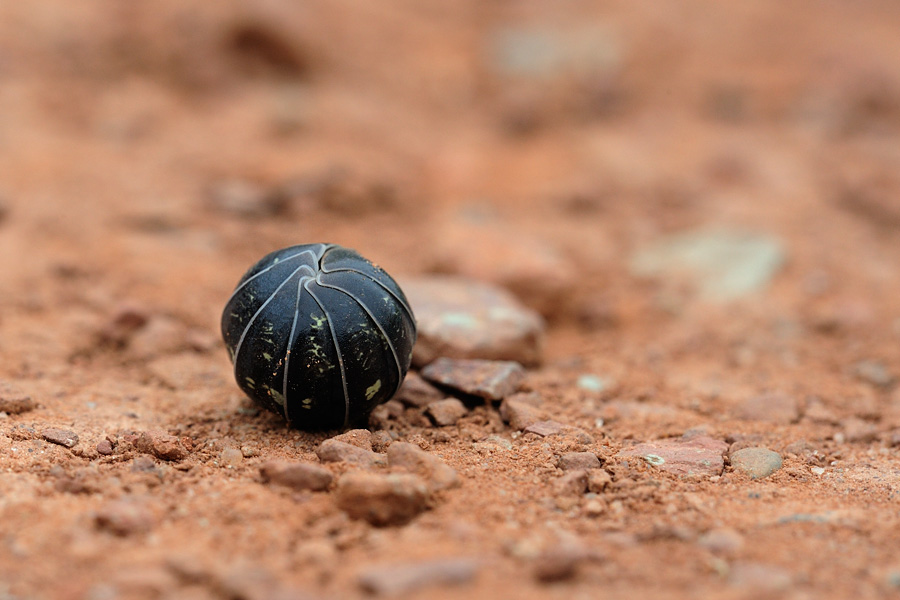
[319,335]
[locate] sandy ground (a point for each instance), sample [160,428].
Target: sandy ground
[150,152]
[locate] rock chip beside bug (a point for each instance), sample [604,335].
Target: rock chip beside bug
[521,412]
[417,392]
[332,450]
[488,379]
[438,474]
[446,412]
[462,318]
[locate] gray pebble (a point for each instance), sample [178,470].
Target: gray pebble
[756,462]
[571,461]
[230,457]
[410,457]
[488,379]
[382,500]
[417,392]
[874,372]
[446,412]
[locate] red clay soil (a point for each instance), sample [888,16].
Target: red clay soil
[150,152]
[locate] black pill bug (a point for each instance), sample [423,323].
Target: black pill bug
[319,335]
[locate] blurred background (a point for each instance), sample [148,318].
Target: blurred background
[701,198]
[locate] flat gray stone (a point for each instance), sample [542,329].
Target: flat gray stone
[724,265]
[461,318]
[756,462]
[417,392]
[488,379]
[446,412]
[699,455]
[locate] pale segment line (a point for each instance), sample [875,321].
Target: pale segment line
[402,302]
[270,267]
[237,349]
[337,349]
[290,345]
[377,324]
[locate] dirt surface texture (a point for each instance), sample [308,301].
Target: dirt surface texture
[652,249]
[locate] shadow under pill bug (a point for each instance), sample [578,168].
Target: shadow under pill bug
[319,335]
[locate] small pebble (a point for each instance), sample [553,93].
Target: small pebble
[394,580]
[571,461]
[381,440]
[62,437]
[699,455]
[519,413]
[756,462]
[594,508]
[545,428]
[859,430]
[382,500]
[573,483]
[161,445]
[230,457]
[598,480]
[296,475]
[249,451]
[874,372]
[488,379]
[125,517]
[462,318]
[361,438]
[722,541]
[13,401]
[446,412]
[105,448]
[558,563]
[417,392]
[593,383]
[438,474]
[333,450]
